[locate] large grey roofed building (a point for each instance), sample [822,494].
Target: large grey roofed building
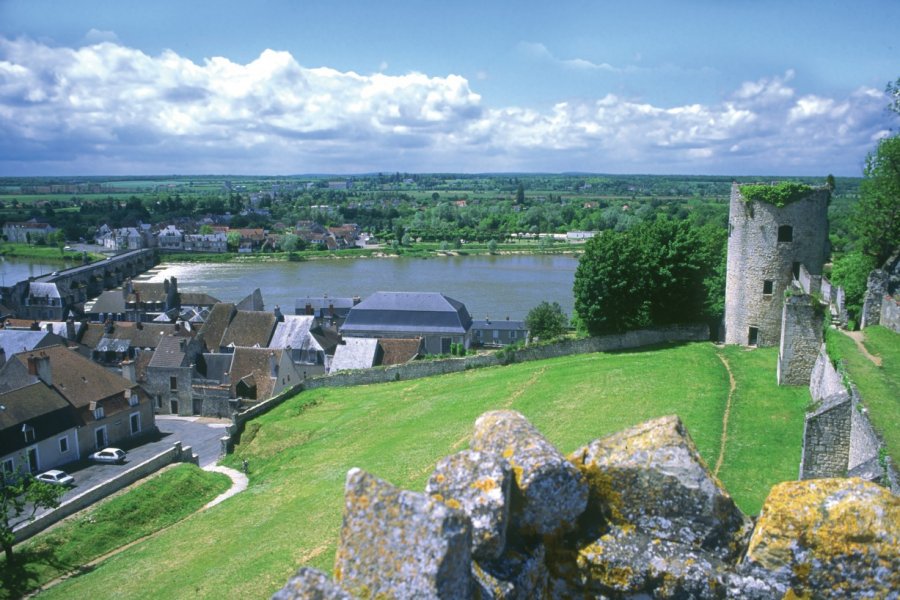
[438,319]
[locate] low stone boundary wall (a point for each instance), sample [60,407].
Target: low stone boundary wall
[838,438]
[174,454]
[418,369]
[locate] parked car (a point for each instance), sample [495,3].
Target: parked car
[56,477]
[108,455]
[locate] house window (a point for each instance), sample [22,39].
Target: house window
[98,413]
[63,445]
[173,383]
[8,466]
[753,336]
[135,420]
[28,432]
[496,333]
[133,398]
[159,401]
[795,270]
[768,285]
[512,334]
[785,233]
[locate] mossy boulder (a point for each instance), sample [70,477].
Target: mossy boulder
[550,492]
[830,538]
[520,573]
[652,478]
[399,544]
[478,484]
[311,584]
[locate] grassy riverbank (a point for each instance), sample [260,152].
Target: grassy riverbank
[421,250]
[43,253]
[300,452]
[151,506]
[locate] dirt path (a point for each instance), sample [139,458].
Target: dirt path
[238,484]
[858,337]
[724,440]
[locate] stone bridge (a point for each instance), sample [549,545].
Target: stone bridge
[74,285]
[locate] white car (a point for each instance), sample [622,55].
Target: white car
[108,455]
[56,477]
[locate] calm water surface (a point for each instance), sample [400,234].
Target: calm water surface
[490,286]
[14,269]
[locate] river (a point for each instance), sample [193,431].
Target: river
[14,269]
[490,286]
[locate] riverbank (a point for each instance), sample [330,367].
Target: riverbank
[416,251]
[44,253]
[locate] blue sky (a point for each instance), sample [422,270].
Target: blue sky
[279,87]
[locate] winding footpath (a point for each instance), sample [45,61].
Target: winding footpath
[731,386]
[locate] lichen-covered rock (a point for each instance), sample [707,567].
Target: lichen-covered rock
[477,483]
[399,544]
[552,493]
[517,575]
[625,562]
[830,538]
[311,584]
[652,477]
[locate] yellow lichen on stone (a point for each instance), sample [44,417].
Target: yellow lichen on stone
[508,452]
[485,484]
[452,503]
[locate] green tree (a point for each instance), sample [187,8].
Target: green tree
[233,240]
[205,230]
[19,503]
[546,321]
[655,273]
[876,218]
[290,242]
[851,272]
[520,194]
[492,246]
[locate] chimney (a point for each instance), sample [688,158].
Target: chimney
[273,364]
[166,286]
[39,366]
[70,330]
[139,325]
[278,316]
[49,327]
[2,356]
[128,371]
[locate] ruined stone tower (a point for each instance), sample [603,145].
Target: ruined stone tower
[766,246]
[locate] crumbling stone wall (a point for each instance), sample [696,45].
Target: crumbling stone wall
[801,337]
[755,256]
[633,515]
[880,305]
[890,313]
[826,439]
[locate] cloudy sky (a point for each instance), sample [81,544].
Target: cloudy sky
[288,87]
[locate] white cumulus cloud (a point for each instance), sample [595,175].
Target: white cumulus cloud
[109,108]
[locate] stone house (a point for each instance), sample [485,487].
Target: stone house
[293,334]
[25,232]
[109,409]
[439,320]
[356,353]
[37,430]
[170,238]
[208,242]
[45,302]
[498,333]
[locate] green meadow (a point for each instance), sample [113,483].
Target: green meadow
[299,453]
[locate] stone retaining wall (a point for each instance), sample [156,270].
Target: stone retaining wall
[174,454]
[890,313]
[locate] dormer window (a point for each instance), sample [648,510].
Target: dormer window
[28,432]
[98,412]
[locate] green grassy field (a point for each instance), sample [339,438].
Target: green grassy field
[151,506]
[300,452]
[878,386]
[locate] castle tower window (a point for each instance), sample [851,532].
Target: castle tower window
[768,285]
[753,336]
[785,233]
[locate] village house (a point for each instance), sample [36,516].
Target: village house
[109,409]
[170,238]
[293,334]
[206,242]
[27,232]
[504,332]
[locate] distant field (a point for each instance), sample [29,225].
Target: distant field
[300,452]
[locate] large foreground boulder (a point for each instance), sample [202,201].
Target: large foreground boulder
[399,544]
[651,477]
[830,538]
[311,584]
[478,484]
[550,492]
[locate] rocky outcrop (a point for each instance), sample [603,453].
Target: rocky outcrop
[634,515]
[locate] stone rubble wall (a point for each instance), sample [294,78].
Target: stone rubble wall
[890,313]
[876,290]
[639,516]
[838,437]
[801,336]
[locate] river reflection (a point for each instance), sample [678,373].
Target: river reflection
[494,286]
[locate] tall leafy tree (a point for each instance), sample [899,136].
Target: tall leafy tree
[876,219]
[19,503]
[546,321]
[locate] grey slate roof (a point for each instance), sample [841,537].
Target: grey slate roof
[169,352]
[408,312]
[321,305]
[113,345]
[37,405]
[40,290]
[355,353]
[293,332]
[20,340]
[249,328]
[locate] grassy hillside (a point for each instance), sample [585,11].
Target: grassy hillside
[300,452]
[879,386]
